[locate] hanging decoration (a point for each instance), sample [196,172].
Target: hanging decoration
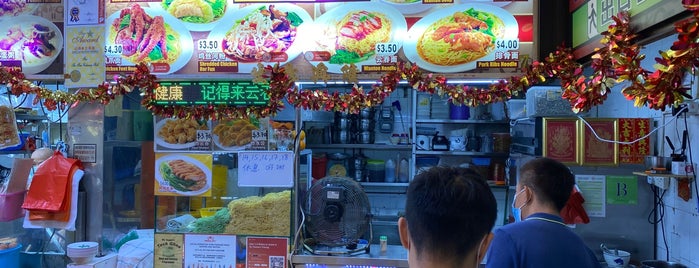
[619,59]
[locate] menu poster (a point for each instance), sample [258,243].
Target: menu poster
[84,56]
[180,174]
[267,252]
[204,250]
[181,134]
[230,37]
[31,43]
[167,250]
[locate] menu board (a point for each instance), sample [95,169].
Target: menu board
[183,174]
[223,37]
[31,36]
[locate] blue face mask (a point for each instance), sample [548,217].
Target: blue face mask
[517,211]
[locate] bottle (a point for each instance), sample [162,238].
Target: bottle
[390,171]
[383,242]
[403,170]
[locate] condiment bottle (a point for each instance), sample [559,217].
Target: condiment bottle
[383,241]
[390,171]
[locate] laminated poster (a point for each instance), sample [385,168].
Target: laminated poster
[85,56]
[592,188]
[168,250]
[204,250]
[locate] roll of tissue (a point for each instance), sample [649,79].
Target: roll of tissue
[180,222]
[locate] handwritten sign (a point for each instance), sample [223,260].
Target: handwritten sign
[266,169]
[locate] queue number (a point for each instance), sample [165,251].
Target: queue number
[507,44]
[208,45]
[388,48]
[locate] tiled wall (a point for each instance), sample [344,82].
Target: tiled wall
[681,218]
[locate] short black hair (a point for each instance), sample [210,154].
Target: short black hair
[449,210]
[551,181]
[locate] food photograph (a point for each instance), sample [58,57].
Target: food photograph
[178,133]
[183,174]
[34,41]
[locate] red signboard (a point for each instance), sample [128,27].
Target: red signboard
[631,129]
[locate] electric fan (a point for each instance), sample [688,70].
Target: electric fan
[337,214]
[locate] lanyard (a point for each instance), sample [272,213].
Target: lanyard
[545,219]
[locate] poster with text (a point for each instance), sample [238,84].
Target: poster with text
[266,252]
[205,250]
[85,56]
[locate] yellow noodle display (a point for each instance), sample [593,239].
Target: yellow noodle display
[266,215]
[460,38]
[360,31]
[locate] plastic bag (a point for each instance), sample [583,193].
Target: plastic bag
[49,185]
[68,225]
[63,214]
[9,135]
[574,212]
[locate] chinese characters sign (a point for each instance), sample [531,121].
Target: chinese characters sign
[631,129]
[240,93]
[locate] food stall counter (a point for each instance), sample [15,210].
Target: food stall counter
[395,256]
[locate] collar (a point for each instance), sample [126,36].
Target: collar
[546,216]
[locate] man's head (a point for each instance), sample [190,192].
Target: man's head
[548,180]
[448,213]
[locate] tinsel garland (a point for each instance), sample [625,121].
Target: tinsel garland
[618,60]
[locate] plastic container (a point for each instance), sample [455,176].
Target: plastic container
[516,109]
[10,257]
[458,111]
[11,206]
[390,171]
[376,170]
[403,170]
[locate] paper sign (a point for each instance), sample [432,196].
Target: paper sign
[87,153]
[266,169]
[19,174]
[622,190]
[203,250]
[592,190]
[167,251]
[83,12]
[85,56]
[266,252]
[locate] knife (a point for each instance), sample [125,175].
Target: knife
[669,142]
[684,142]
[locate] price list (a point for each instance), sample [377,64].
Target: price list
[238,93]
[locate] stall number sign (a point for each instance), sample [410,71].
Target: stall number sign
[236,93]
[265,169]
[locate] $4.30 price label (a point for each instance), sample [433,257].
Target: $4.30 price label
[208,45]
[386,48]
[113,49]
[507,44]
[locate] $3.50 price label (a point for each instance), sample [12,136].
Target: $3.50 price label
[208,45]
[507,44]
[386,48]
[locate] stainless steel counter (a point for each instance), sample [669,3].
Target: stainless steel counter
[395,256]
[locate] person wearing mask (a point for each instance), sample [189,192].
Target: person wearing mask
[449,215]
[539,238]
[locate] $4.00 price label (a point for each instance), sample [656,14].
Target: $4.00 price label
[208,45]
[386,48]
[507,44]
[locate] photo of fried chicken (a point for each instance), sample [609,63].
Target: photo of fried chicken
[180,131]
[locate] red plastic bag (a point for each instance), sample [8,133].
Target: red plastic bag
[63,214]
[574,212]
[48,189]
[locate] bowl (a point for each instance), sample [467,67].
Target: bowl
[617,258]
[654,162]
[208,212]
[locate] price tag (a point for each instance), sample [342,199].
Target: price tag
[204,135]
[386,48]
[507,44]
[113,49]
[258,135]
[208,45]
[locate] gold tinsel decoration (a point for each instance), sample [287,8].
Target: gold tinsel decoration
[320,72]
[258,74]
[349,73]
[290,71]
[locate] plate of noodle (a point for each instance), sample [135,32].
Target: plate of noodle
[349,33]
[198,15]
[178,133]
[234,135]
[149,35]
[266,33]
[453,39]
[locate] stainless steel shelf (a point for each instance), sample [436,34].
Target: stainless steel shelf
[30,117]
[361,146]
[15,152]
[460,153]
[385,184]
[450,121]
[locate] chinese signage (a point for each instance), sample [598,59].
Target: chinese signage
[266,169]
[591,17]
[631,129]
[239,93]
